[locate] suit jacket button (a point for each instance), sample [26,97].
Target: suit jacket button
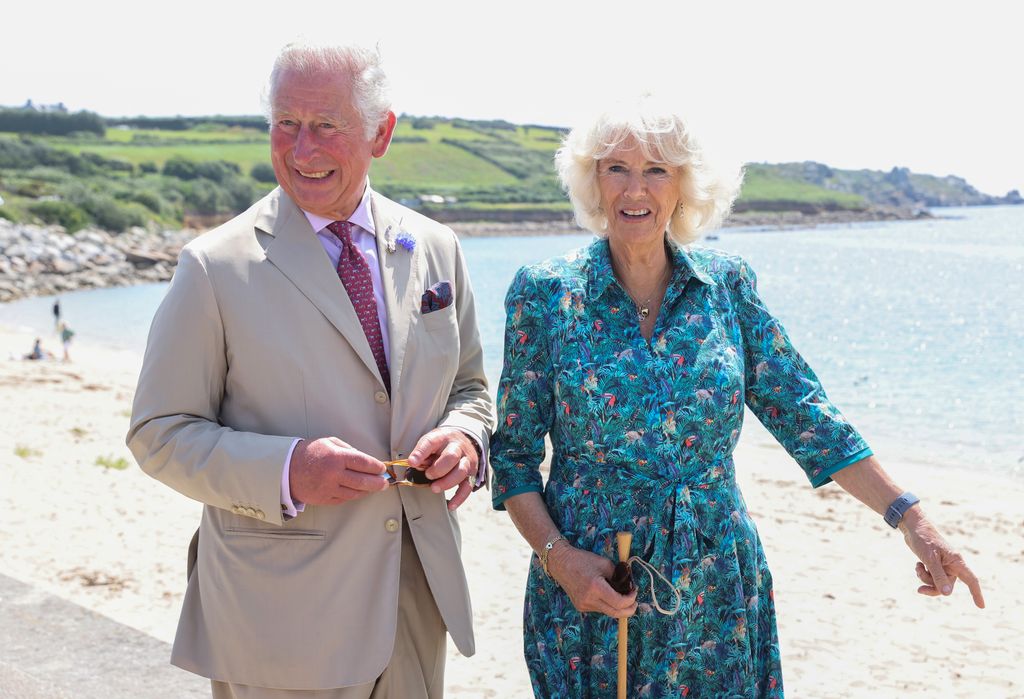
[391,525]
[381,397]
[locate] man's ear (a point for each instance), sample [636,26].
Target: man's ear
[384,133]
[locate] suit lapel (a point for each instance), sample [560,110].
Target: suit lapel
[399,271]
[297,252]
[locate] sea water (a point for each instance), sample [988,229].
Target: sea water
[915,328]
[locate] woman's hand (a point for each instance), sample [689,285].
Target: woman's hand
[940,566]
[584,577]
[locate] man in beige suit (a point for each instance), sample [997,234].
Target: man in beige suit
[300,345]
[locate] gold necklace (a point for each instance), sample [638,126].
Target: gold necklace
[644,309]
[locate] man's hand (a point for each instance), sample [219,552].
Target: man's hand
[449,458]
[327,471]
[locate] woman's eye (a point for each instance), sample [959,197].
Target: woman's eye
[616,168]
[657,171]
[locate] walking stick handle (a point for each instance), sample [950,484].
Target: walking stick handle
[624,540]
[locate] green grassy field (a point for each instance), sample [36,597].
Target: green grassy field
[761,185]
[430,166]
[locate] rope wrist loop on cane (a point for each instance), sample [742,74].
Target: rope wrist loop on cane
[651,573]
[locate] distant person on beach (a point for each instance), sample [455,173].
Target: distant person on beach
[311,353]
[66,334]
[37,352]
[56,313]
[636,356]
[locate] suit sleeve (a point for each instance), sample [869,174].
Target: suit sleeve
[175,434]
[469,406]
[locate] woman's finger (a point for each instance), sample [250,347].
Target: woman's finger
[967,575]
[938,573]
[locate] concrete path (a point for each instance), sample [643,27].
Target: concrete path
[54,649]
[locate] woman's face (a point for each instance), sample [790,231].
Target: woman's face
[638,195]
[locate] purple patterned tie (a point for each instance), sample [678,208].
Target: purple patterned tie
[354,273]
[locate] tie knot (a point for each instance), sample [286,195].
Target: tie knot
[342,230]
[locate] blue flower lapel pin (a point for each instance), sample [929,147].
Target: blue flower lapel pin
[403,238]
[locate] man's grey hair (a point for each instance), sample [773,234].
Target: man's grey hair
[370,90]
[706,193]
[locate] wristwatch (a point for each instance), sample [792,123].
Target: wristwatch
[899,507]
[546,550]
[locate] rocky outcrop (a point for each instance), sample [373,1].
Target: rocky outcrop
[40,260]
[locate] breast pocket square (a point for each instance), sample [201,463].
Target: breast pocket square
[436,297]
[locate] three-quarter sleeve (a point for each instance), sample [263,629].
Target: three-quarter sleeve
[786,396]
[524,398]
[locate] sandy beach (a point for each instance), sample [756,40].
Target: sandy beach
[851,623]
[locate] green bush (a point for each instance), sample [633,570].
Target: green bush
[148,167]
[206,197]
[263,172]
[217,170]
[111,215]
[179,167]
[63,213]
[150,200]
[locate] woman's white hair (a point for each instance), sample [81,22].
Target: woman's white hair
[705,193]
[370,90]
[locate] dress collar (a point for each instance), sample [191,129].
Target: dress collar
[601,275]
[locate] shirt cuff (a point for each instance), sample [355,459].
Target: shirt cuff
[289,507]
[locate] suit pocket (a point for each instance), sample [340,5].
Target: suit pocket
[282,534]
[437,321]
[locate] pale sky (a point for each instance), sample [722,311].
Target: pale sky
[933,86]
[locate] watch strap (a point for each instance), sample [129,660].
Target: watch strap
[899,507]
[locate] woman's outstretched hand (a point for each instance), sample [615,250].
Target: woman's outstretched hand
[940,566]
[584,577]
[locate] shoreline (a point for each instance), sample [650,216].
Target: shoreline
[850,622]
[44,260]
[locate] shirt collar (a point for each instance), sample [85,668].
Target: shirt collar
[360,217]
[602,275]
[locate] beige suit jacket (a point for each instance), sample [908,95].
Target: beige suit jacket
[255,344]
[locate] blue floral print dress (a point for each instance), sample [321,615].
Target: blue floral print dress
[643,435]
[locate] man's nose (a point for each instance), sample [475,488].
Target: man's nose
[305,144]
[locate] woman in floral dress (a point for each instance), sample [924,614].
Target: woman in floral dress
[636,356]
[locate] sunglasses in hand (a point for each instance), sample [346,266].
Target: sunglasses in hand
[411,477]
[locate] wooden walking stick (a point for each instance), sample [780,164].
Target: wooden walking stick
[625,540]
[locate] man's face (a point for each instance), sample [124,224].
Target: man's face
[318,145]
